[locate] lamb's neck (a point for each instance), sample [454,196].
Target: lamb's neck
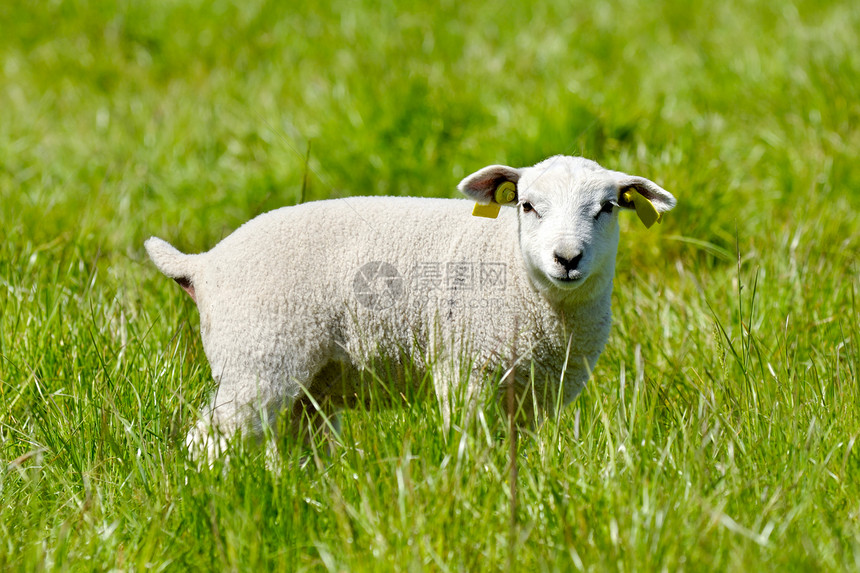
[578,310]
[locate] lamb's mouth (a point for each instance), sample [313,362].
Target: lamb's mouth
[570,281]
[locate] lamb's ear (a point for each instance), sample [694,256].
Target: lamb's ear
[491,187]
[648,199]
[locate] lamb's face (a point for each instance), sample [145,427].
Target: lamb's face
[568,216]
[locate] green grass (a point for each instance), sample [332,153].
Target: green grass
[720,429]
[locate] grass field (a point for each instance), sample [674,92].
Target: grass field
[720,429]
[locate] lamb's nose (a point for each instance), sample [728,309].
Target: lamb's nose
[569,264]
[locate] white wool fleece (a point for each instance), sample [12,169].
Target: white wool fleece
[297,301]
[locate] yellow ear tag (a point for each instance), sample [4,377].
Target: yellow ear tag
[505,193]
[644,208]
[490,211]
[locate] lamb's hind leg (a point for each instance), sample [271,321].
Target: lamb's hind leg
[302,409]
[246,404]
[259,378]
[315,414]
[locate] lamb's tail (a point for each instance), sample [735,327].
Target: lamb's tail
[173,263]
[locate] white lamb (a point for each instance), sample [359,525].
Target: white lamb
[296,302]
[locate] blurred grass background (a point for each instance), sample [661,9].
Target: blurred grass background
[719,430]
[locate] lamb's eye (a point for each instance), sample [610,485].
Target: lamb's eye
[605,208]
[529,208]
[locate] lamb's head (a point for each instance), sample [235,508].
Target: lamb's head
[568,216]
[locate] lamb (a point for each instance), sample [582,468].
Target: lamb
[298,301]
